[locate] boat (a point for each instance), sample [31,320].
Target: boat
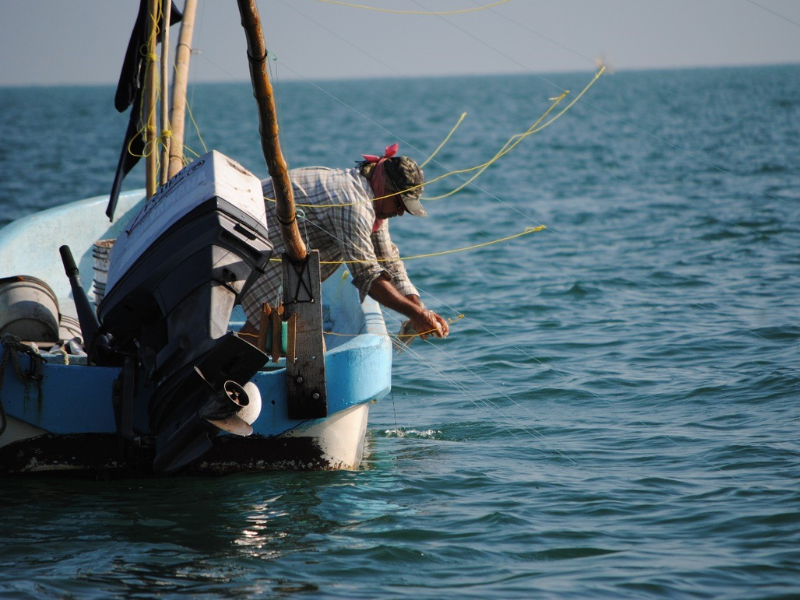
[121,345]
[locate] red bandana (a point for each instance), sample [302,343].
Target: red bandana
[378,179]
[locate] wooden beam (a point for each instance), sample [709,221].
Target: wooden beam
[305,372]
[166,9]
[150,90]
[268,128]
[183,55]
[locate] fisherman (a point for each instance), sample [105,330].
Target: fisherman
[344,215]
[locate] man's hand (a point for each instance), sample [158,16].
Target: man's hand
[425,322]
[428,323]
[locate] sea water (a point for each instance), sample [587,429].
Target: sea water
[615,415]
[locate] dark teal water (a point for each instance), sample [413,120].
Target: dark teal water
[616,416]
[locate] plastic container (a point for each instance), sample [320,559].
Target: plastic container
[28,309]
[101,251]
[70,328]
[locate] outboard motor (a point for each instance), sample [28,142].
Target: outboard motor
[175,274]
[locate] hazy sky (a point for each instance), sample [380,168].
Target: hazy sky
[45,42]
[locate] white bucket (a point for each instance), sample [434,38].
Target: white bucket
[28,309]
[69,328]
[101,251]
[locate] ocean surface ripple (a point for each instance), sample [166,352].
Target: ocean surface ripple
[616,415]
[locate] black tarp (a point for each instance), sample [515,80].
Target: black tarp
[129,92]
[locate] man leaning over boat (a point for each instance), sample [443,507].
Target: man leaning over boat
[344,216]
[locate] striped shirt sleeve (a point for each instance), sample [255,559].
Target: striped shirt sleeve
[352,228]
[390,260]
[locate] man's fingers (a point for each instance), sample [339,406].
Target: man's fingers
[432,324]
[442,327]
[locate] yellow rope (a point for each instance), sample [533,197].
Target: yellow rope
[512,143]
[186,149]
[514,140]
[447,139]
[435,152]
[150,59]
[414,12]
[527,231]
[196,127]
[391,335]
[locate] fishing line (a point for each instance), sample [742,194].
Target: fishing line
[503,54]
[376,59]
[533,432]
[606,113]
[589,391]
[491,195]
[393,338]
[654,136]
[353,109]
[536,433]
[535,128]
[543,78]
[480,403]
[514,208]
[658,138]
[394,410]
[527,231]
[372,122]
[373,55]
[563,376]
[199,136]
[369,120]
[489,403]
[512,143]
[784,17]
[348,106]
[544,37]
[272,66]
[529,218]
[446,139]
[192,87]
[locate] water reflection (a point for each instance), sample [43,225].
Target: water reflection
[207,536]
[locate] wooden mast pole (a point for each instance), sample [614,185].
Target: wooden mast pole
[167,13]
[151,151]
[268,128]
[306,386]
[178,117]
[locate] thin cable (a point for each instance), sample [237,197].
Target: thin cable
[603,111]
[446,139]
[512,143]
[564,376]
[533,432]
[676,147]
[527,231]
[414,12]
[480,403]
[784,17]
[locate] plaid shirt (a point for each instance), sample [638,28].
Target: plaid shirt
[340,233]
